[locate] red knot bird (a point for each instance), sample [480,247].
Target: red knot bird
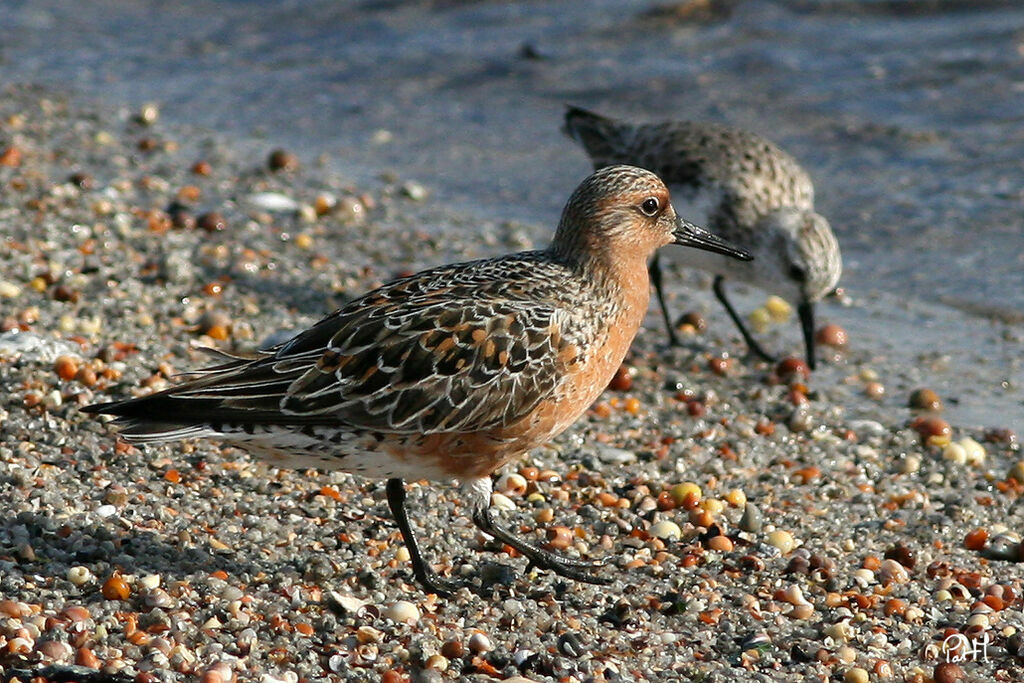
[449,373]
[741,187]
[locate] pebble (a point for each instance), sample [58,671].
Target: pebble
[479,643]
[402,611]
[925,399]
[760,319]
[686,494]
[792,369]
[892,571]
[751,520]
[949,672]
[934,430]
[79,575]
[502,502]
[559,537]
[778,308]
[783,540]
[615,456]
[414,191]
[856,675]
[832,335]
[148,114]
[282,160]
[665,530]
[272,201]
[511,483]
[115,588]
[874,390]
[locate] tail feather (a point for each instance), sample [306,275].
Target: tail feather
[599,136]
[143,431]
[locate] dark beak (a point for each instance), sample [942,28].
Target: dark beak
[806,311]
[689,235]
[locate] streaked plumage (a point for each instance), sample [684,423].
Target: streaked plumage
[742,187]
[451,372]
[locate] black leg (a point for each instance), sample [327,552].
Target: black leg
[806,310]
[427,577]
[719,289]
[563,566]
[655,272]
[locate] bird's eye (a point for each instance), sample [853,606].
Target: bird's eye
[797,273]
[650,206]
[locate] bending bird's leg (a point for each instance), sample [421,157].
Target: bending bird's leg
[569,567]
[719,289]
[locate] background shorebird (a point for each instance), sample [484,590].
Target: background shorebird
[741,187]
[449,373]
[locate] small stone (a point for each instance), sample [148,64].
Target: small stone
[778,308]
[925,399]
[414,191]
[403,612]
[148,114]
[511,483]
[751,520]
[722,544]
[622,380]
[892,571]
[856,675]
[783,540]
[934,430]
[436,662]
[10,157]
[974,452]
[874,390]
[792,369]
[79,576]
[832,335]
[478,643]
[282,160]
[686,494]
[9,290]
[212,221]
[760,319]
[275,202]
[949,672]
[115,588]
[500,501]
[955,453]
[665,530]
[694,319]
[453,649]
[559,537]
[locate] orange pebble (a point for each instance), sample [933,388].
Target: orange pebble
[975,540]
[722,544]
[66,367]
[85,657]
[115,588]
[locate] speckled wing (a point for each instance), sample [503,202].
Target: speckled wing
[448,350]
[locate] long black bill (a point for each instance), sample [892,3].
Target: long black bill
[689,235]
[806,311]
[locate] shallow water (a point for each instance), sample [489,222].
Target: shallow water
[907,113]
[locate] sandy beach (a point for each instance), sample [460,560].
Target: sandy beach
[758,523]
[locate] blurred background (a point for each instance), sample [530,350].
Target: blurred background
[907,113]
